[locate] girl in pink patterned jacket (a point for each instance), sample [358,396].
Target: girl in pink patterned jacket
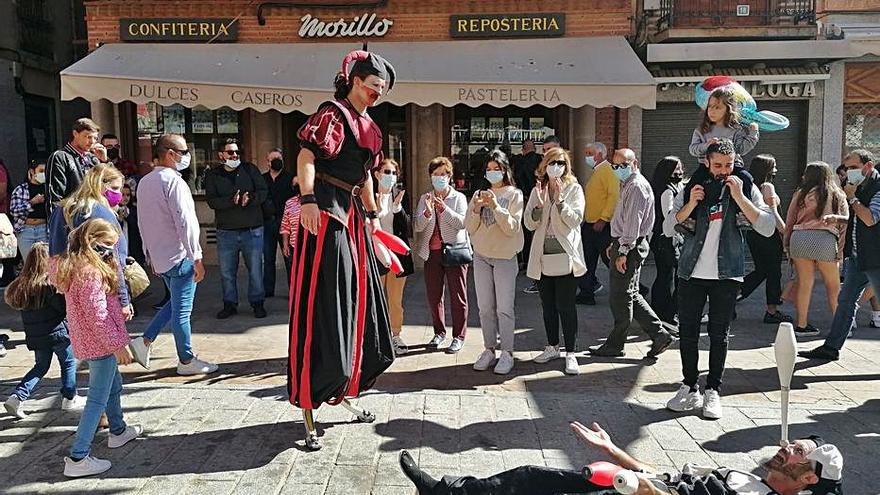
[88,276]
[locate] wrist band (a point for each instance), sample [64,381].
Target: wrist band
[372,214]
[308,199]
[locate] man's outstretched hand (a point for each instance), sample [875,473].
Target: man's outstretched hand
[593,436]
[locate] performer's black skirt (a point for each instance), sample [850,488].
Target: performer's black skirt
[340,335]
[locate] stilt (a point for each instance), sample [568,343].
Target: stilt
[313,442]
[363,415]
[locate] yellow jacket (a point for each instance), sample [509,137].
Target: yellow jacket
[601,192]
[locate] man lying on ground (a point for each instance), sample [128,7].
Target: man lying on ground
[806,464]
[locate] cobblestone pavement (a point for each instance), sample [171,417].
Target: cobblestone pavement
[234,432]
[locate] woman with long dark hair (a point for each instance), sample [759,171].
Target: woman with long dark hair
[815,232]
[340,335]
[667,184]
[767,252]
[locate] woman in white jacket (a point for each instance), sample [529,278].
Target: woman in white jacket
[494,223]
[555,211]
[439,218]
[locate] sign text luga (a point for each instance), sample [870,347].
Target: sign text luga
[360,26]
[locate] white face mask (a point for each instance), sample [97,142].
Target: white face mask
[855,176]
[555,171]
[40,178]
[440,182]
[233,164]
[183,164]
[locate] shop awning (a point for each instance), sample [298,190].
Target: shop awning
[286,77]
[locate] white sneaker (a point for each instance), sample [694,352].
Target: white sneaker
[2,350]
[571,364]
[400,347]
[487,357]
[505,363]
[685,400]
[196,367]
[550,353]
[131,432]
[436,341]
[87,466]
[140,352]
[77,403]
[712,405]
[13,407]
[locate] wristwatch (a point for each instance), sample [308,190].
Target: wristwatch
[853,201]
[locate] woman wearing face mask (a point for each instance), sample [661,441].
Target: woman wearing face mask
[394,217]
[28,209]
[554,212]
[440,218]
[494,223]
[767,252]
[97,196]
[667,184]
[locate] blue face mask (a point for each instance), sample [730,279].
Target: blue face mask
[591,162]
[440,182]
[854,176]
[387,181]
[494,176]
[623,173]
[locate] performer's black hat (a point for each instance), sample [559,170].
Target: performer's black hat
[364,62]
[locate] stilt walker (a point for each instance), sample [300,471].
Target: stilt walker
[340,335]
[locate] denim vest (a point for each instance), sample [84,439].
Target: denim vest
[731,245]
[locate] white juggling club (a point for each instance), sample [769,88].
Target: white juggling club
[786,351]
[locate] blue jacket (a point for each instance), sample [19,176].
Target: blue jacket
[46,327]
[59,230]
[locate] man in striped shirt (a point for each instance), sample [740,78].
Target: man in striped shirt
[631,225]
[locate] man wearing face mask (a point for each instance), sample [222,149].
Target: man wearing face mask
[236,191]
[631,224]
[862,263]
[601,192]
[280,183]
[712,266]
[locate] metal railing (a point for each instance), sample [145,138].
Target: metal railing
[734,13]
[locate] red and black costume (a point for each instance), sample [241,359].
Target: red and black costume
[340,335]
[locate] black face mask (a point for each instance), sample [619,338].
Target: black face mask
[675,179]
[103,251]
[277,164]
[713,189]
[113,153]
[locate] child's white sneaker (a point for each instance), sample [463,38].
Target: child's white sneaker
[77,403]
[13,407]
[140,352]
[87,466]
[131,432]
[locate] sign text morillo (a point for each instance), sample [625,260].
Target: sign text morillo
[360,26]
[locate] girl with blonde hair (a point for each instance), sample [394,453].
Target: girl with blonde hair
[87,274]
[99,193]
[554,212]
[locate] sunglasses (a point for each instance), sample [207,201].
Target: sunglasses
[558,162]
[233,152]
[182,152]
[616,166]
[387,172]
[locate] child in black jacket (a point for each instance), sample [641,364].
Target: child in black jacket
[43,315]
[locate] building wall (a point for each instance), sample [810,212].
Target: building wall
[414,20]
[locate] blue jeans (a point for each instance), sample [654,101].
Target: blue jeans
[105,388]
[854,284]
[43,359]
[249,243]
[177,311]
[272,233]
[30,235]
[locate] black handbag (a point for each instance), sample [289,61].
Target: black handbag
[456,254]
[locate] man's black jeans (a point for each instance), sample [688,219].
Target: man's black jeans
[524,480]
[595,244]
[692,296]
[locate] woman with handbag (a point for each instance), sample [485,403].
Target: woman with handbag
[445,247]
[815,232]
[394,218]
[554,212]
[494,223]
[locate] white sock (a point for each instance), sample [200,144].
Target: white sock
[875,315]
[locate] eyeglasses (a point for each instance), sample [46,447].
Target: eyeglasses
[615,166]
[387,172]
[233,152]
[179,152]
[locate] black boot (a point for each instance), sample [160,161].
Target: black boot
[227,311]
[259,311]
[424,483]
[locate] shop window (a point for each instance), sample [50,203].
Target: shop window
[205,131]
[478,131]
[861,126]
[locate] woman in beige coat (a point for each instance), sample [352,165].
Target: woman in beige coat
[554,212]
